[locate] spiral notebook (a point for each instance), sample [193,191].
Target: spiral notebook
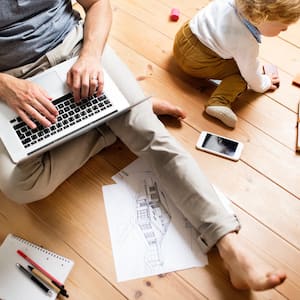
[14,285]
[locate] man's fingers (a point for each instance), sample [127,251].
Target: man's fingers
[74,83]
[85,78]
[26,118]
[36,115]
[93,85]
[49,112]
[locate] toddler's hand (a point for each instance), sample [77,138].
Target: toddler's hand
[272,72]
[275,82]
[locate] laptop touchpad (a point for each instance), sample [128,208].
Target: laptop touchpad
[52,83]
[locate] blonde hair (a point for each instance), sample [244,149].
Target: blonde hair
[257,11]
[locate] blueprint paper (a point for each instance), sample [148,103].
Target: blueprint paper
[149,235]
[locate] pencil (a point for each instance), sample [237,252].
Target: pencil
[35,280]
[45,279]
[48,282]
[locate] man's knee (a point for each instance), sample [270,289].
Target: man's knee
[22,195]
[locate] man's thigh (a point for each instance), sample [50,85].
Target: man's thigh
[122,76]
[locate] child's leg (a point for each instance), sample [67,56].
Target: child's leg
[199,61]
[219,104]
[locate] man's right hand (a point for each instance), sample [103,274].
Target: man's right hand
[28,100]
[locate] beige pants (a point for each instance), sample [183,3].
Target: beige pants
[197,60]
[144,134]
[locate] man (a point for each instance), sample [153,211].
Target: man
[32,39]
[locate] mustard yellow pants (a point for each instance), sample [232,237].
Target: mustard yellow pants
[197,60]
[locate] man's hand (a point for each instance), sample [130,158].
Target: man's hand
[28,100]
[85,78]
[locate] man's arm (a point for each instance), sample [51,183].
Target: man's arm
[86,74]
[30,100]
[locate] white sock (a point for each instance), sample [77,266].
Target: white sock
[223,113]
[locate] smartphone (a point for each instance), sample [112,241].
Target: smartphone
[219,145]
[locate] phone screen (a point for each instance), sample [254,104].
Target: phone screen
[220,144]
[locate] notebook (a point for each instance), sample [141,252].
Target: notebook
[14,285]
[74,119]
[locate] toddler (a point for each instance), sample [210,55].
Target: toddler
[222,42]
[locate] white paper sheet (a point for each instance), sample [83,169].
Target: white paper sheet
[148,237]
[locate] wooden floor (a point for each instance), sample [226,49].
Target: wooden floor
[264,185]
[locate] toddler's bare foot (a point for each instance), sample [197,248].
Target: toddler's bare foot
[163,107]
[246,273]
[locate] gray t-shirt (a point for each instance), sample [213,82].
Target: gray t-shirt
[30,28]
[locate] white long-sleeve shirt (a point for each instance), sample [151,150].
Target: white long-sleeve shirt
[220,28]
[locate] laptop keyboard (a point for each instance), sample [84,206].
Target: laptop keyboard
[70,114]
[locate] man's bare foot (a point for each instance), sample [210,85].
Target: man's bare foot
[163,107]
[245,272]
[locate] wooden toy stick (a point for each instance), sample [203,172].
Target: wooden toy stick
[298,129]
[296,80]
[270,69]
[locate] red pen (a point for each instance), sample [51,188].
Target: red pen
[59,284]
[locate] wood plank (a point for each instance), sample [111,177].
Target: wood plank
[273,49]
[292,35]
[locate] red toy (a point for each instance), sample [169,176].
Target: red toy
[174,16]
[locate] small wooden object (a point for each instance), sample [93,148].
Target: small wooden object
[296,80]
[298,129]
[270,69]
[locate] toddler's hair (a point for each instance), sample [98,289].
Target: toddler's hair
[257,11]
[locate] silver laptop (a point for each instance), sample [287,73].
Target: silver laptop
[74,119]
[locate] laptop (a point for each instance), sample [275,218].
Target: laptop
[74,119]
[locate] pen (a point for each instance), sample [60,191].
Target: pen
[43,278]
[48,281]
[55,281]
[34,279]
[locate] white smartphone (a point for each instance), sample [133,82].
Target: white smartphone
[219,145]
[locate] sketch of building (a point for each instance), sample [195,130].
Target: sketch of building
[153,221]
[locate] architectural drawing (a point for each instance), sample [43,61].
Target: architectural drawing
[145,226]
[153,221]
